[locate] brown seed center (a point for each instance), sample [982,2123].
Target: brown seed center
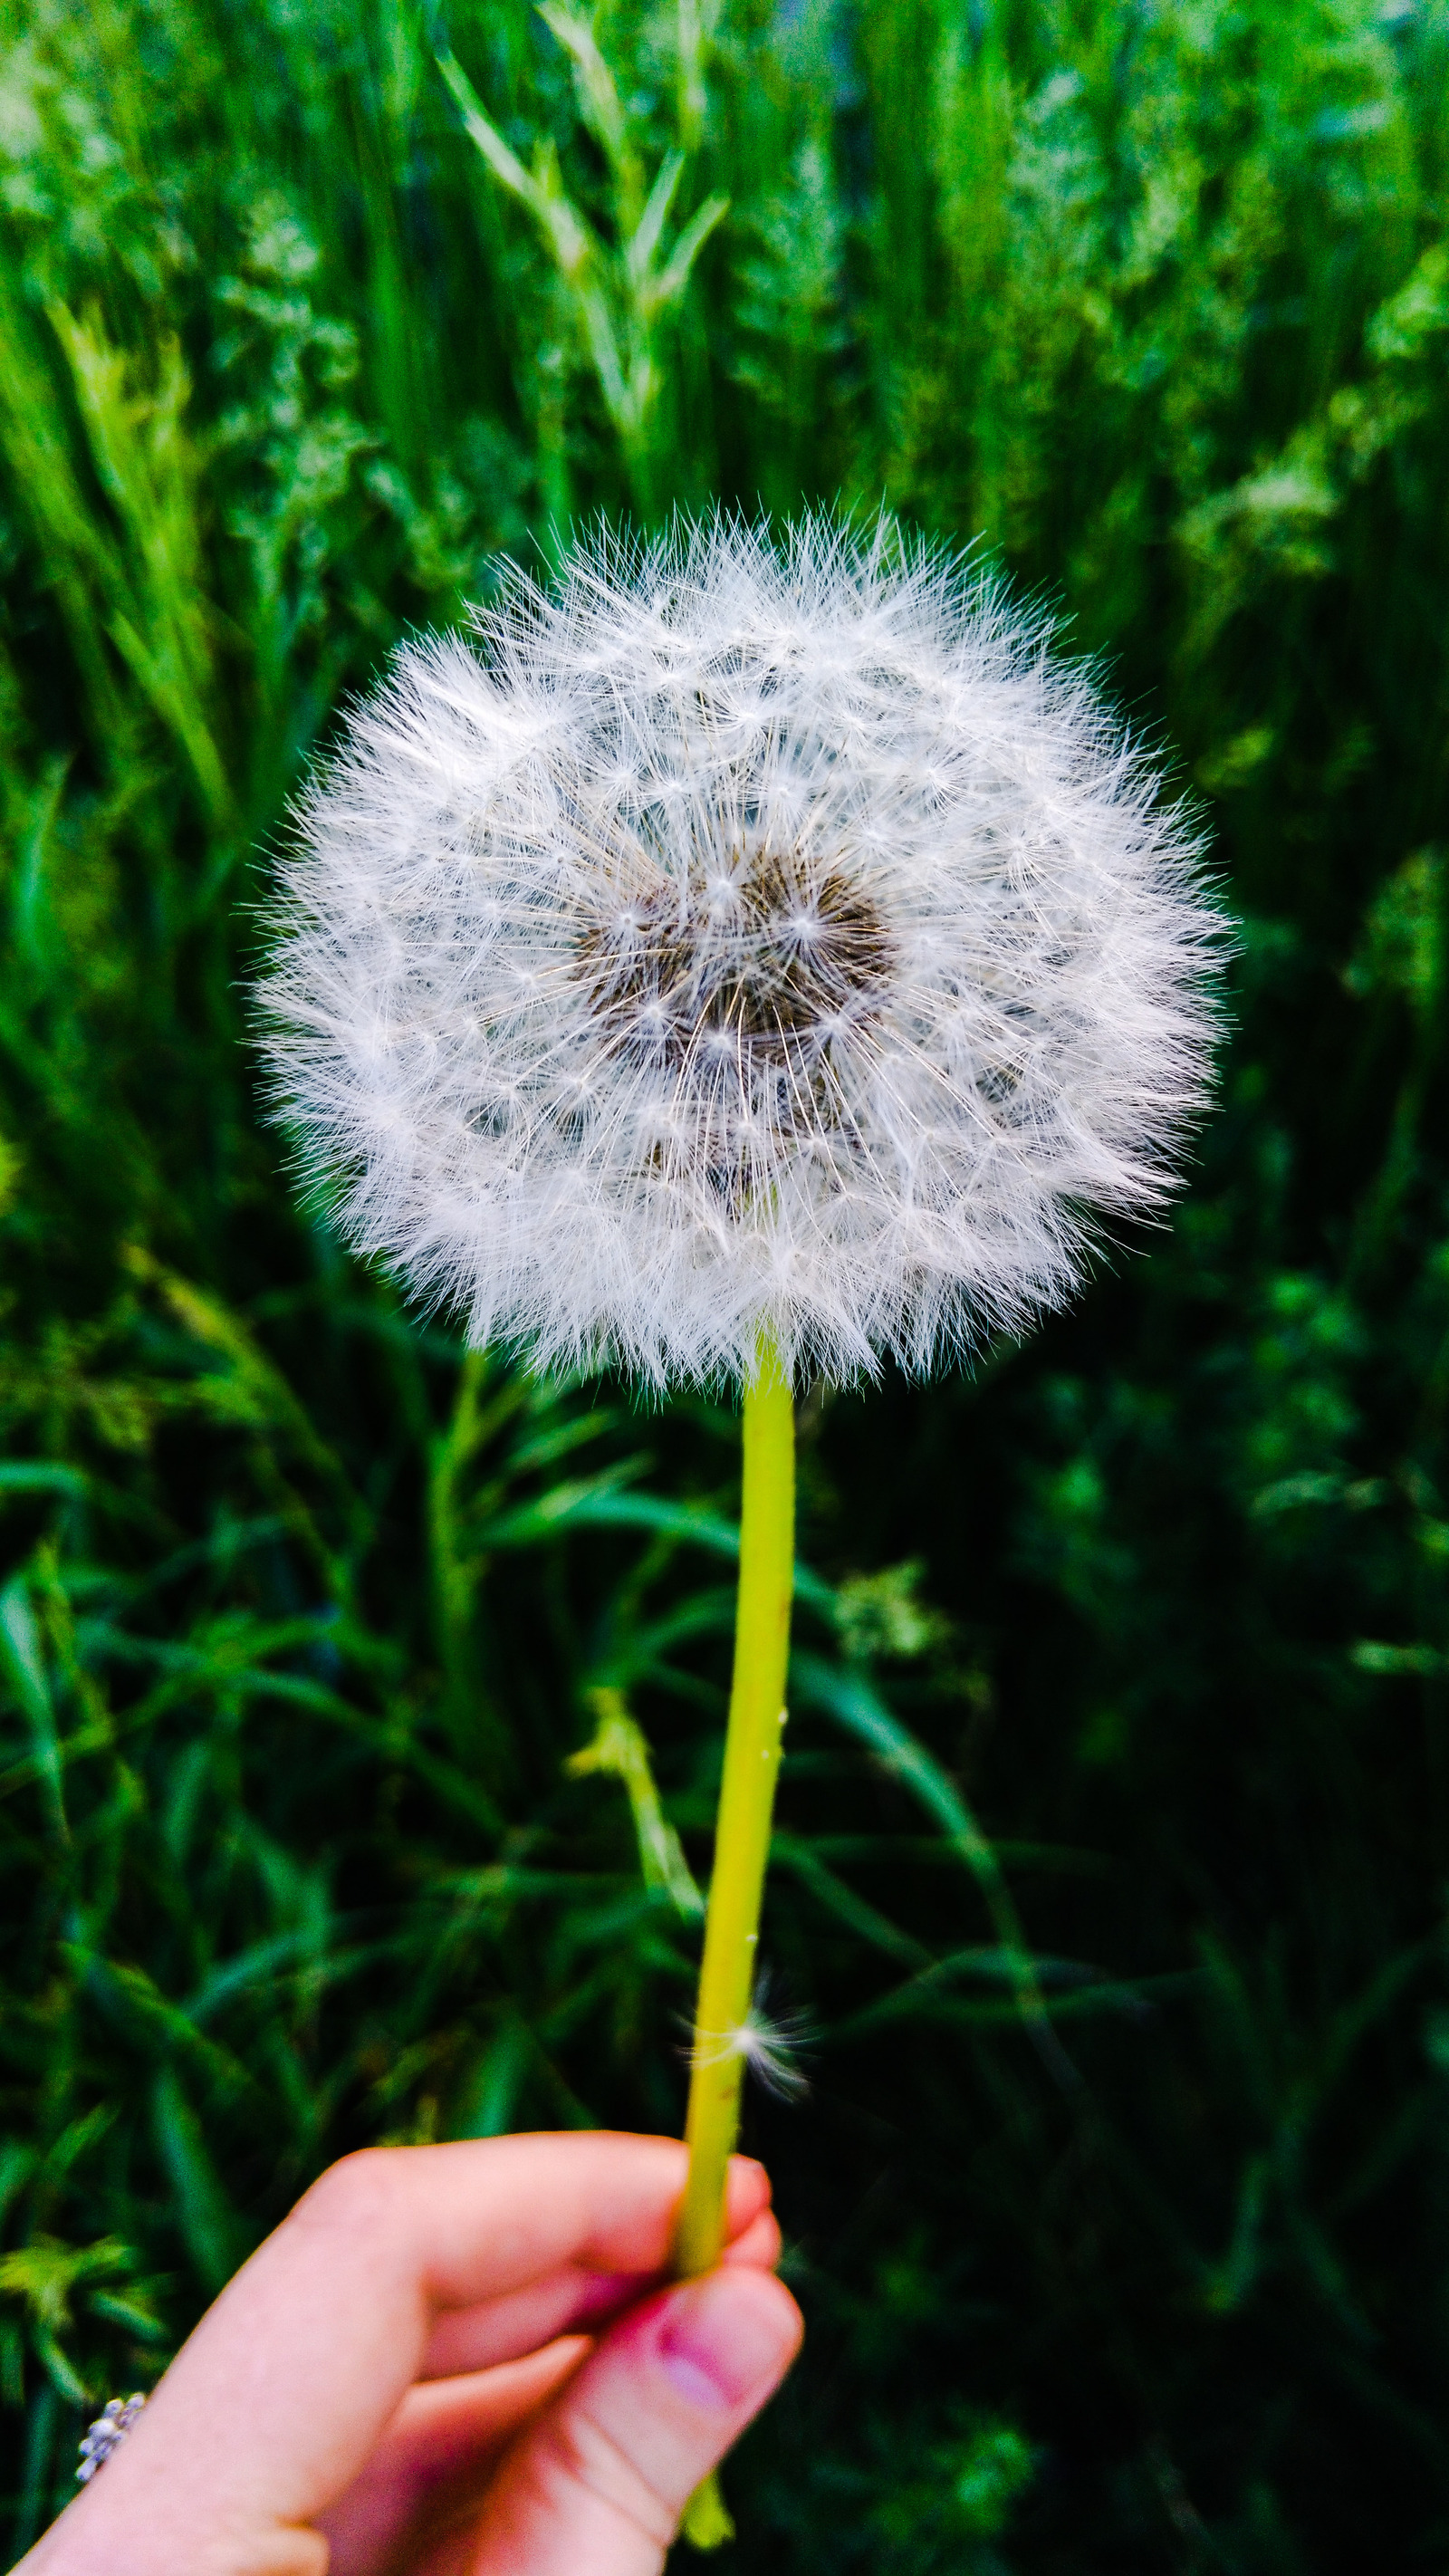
[750,967]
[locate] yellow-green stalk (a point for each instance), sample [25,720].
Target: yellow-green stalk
[742,1841]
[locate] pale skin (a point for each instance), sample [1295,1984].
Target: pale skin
[451,2361]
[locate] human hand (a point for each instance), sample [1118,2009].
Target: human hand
[450,2361]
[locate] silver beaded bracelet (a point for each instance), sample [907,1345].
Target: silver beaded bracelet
[107,2434]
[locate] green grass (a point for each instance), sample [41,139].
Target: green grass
[1120,2202]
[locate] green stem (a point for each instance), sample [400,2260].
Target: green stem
[742,1840]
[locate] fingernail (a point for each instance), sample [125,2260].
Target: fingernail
[718,2342]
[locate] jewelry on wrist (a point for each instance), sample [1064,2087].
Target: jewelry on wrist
[107,2434]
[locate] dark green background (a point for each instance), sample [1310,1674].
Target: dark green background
[1132,2261]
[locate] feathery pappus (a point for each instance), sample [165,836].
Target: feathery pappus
[736,938]
[766,2045]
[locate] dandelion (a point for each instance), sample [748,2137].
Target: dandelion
[736,963]
[740,943]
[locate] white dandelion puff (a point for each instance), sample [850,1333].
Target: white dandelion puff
[737,943]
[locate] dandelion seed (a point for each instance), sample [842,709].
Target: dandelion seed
[766,2045]
[741,942]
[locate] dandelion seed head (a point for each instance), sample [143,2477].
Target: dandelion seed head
[738,938]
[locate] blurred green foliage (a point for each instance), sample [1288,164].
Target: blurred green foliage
[1120,2202]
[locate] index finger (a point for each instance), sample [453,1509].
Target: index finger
[600,2199]
[307,2354]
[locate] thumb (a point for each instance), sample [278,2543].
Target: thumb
[600,2479]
